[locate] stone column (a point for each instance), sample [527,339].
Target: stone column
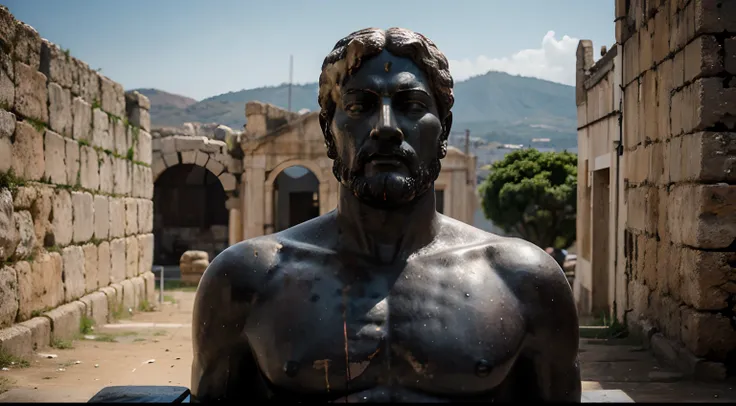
[235,221]
[269,225]
[255,176]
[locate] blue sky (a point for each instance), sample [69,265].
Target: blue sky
[202,48]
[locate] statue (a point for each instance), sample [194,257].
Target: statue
[384,299]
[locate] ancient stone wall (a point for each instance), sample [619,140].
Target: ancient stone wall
[75,193]
[679,117]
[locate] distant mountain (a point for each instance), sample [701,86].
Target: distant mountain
[496,107]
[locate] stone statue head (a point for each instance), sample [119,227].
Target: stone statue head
[385,99]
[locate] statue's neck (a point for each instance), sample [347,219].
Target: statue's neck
[387,235]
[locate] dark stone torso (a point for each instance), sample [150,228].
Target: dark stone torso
[441,322]
[471,316]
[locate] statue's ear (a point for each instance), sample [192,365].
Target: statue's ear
[324,123]
[446,128]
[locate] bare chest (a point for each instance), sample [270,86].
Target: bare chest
[432,326]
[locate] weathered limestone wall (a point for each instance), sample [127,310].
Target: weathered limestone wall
[679,117]
[75,193]
[600,284]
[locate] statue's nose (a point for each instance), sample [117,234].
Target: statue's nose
[387,129]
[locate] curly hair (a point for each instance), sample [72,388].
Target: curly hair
[348,53]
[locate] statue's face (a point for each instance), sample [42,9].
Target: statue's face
[387,132]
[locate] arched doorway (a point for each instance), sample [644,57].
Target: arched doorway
[189,213]
[295,197]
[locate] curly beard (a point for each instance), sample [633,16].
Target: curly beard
[387,190]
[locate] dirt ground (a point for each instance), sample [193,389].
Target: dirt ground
[155,349]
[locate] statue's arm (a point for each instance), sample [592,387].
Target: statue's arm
[223,366]
[555,332]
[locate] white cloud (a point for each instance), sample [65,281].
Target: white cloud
[554,60]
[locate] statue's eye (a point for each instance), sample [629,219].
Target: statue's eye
[415,107]
[355,108]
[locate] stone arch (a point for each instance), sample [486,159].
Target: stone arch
[313,166]
[210,154]
[307,163]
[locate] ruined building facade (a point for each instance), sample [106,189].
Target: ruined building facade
[657,180]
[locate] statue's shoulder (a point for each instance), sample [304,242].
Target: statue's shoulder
[240,268]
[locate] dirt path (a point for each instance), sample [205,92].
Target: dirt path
[76,374]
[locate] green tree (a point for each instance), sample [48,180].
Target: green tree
[533,195]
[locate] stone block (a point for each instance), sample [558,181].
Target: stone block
[117,260]
[188,143]
[145,215]
[8,296]
[158,165]
[703,216]
[714,17]
[214,146]
[74,284]
[630,59]
[664,87]
[62,217]
[86,82]
[201,159]
[113,97]
[703,104]
[28,161]
[150,280]
[7,85]
[101,217]
[56,64]
[703,274]
[31,97]
[707,334]
[703,156]
[91,279]
[117,217]
[131,256]
[135,99]
[119,133]
[27,45]
[145,253]
[82,122]
[72,162]
[703,58]
[228,181]
[7,25]
[17,341]
[8,233]
[40,284]
[96,307]
[130,301]
[140,118]
[120,175]
[83,212]
[40,332]
[730,54]
[139,290]
[215,167]
[41,211]
[101,132]
[60,109]
[89,168]
[116,304]
[103,264]
[131,216]
[660,34]
[54,155]
[171,159]
[7,129]
[107,179]
[27,242]
[143,148]
[66,320]
[113,303]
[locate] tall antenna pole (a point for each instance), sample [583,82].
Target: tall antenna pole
[291,77]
